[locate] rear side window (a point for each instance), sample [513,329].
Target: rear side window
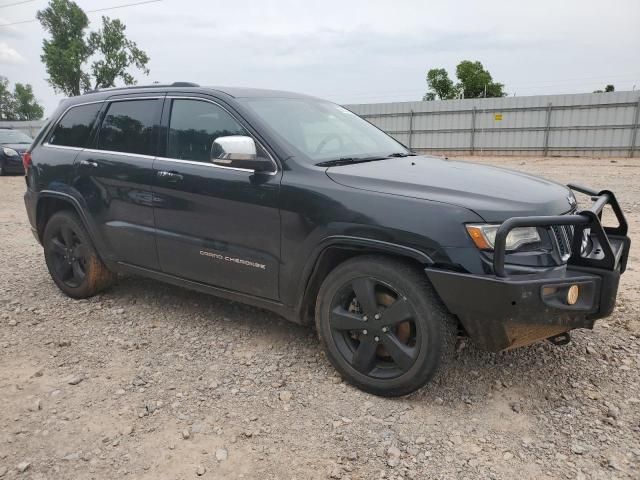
[74,128]
[193,127]
[128,127]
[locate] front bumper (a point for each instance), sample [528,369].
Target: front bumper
[12,165]
[502,311]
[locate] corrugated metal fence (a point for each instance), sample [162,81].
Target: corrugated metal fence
[602,124]
[31,128]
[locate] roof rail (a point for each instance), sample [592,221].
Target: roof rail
[153,85]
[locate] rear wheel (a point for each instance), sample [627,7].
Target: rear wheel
[382,325]
[72,259]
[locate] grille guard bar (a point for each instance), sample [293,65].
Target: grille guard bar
[588,218]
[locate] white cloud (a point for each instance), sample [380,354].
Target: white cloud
[10,55]
[361,50]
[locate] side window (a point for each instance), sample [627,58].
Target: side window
[128,126]
[75,126]
[194,125]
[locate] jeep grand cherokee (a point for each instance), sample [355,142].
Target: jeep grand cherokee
[299,206]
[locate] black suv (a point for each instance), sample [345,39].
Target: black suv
[299,206]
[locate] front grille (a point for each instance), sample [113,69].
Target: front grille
[563,235]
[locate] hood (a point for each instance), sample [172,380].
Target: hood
[493,193]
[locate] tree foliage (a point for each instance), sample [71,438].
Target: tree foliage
[27,107]
[473,82]
[440,85]
[7,107]
[608,88]
[19,105]
[476,82]
[69,49]
[117,54]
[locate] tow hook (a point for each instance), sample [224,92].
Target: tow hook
[560,339]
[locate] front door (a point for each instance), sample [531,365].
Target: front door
[215,225]
[115,178]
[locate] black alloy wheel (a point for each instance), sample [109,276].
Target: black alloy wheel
[68,256]
[374,328]
[72,259]
[382,325]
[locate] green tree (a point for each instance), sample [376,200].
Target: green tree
[7,101]
[69,48]
[473,82]
[440,85]
[608,88]
[476,82]
[26,105]
[19,105]
[118,53]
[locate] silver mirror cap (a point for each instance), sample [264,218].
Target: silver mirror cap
[226,150]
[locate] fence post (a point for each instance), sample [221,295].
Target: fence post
[634,132]
[410,128]
[473,130]
[547,128]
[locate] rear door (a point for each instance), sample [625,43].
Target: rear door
[216,225]
[115,177]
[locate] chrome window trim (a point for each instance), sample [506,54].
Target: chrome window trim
[195,162]
[115,152]
[275,164]
[61,147]
[131,99]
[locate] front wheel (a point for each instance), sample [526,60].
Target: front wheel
[71,257]
[382,325]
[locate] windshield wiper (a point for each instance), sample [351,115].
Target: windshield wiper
[352,160]
[401,154]
[347,161]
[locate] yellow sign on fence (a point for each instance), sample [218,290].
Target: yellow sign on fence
[497,117]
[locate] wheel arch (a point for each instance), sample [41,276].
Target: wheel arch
[50,202]
[335,250]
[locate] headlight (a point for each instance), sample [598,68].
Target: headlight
[484,236]
[10,152]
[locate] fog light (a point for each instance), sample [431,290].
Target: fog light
[573,294]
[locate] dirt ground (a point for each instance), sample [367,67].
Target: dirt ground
[150,381]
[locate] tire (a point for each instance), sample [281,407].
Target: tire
[72,260]
[399,350]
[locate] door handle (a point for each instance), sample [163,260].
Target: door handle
[88,163]
[170,176]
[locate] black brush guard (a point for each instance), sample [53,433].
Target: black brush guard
[610,244]
[505,310]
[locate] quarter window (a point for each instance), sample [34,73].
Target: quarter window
[193,127]
[128,126]
[74,128]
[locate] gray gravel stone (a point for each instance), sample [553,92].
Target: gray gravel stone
[221,454]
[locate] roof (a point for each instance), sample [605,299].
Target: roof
[234,92]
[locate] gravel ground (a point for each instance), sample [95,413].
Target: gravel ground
[149,381]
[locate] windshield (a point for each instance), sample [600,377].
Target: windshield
[322,130]
[14,136]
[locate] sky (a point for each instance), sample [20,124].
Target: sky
[355,51]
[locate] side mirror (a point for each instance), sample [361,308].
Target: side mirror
[239,151]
